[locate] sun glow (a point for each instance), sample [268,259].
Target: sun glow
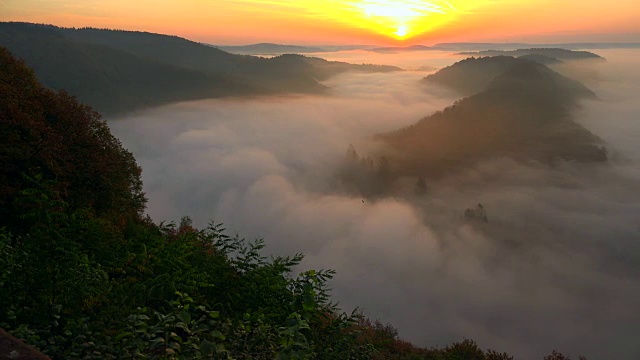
[402,31]
[404,18]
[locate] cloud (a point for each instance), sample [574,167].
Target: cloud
[555,267]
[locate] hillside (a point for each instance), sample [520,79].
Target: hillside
[108,79]
[523,112]
[118,71]
[195,56]
[472,75]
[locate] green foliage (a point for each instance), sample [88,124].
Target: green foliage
[50,139]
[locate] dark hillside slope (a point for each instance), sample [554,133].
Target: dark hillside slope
[471,75]
[117,71]
[284,72]
[164,48]
[108,79]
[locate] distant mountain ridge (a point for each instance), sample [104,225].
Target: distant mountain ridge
[117,71]
[386,50]
[278,49]
[554,53]
[269,49]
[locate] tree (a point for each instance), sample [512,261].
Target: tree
[50,134]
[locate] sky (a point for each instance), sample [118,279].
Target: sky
[381,22]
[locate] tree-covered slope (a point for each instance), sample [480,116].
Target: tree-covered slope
[287,71]
[109,79]
[473,75]
[117,71]
[52,137]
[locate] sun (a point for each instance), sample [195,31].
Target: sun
[402,32]
[402,19]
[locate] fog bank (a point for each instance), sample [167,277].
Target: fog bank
[556,266]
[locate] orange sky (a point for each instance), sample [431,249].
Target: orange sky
[342,22]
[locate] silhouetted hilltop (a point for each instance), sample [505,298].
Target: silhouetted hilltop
[116,71]
[523,112]
[557,53]
[473,75]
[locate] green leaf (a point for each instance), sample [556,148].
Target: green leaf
[123,335]
[185,317]
[207,347]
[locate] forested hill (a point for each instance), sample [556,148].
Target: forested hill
[519,109]
[472,75]
[118,71]
[108,79]
[84,275]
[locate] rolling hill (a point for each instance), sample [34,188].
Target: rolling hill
[118,71]
[472,75]
[519,109]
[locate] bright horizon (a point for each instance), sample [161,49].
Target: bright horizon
[376,22]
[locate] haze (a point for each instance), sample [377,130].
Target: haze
[556,266]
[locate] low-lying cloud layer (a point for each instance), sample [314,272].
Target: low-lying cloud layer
[555,267]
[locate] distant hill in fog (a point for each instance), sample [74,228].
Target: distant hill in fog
[269,49]
[515,46]
[394,49]
[118,71]
[278,49]
[556,53]
[519,108]
[467,48]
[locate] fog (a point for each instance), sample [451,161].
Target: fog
[556,267]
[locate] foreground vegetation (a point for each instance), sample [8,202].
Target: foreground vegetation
[84,275]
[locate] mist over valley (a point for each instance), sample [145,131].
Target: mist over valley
[553,266]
